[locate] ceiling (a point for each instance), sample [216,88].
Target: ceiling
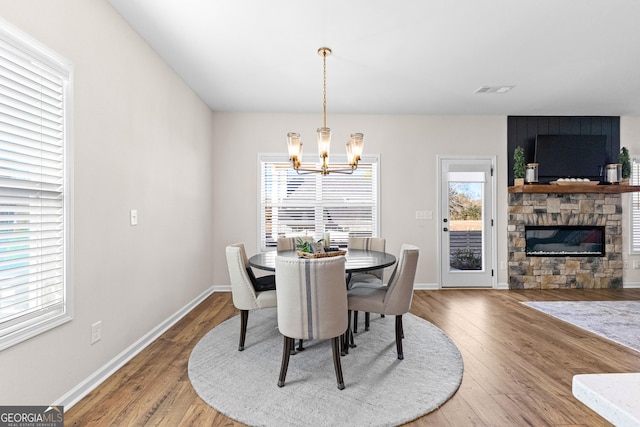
[567,57]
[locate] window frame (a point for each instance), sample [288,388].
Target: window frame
[373,159]
[18,44]
[634,207]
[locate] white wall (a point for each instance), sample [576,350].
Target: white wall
[630,138]
[143,140]
[408,148]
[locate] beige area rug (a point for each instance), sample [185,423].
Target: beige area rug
[618,321]
[380,389]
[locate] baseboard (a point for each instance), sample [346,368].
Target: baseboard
[426,286]
[74,395]
[632,285]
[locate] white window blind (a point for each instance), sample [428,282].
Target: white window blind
[635,205]
[311,204]
[34,189]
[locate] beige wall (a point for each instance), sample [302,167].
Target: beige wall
[408,147]
[143,140]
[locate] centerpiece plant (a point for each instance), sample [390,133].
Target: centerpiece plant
[303,245]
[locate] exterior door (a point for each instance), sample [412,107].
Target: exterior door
[466,218]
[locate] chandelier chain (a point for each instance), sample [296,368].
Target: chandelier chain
[324,86]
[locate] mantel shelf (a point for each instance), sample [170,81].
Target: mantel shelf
[551,188]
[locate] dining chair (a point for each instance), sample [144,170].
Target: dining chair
[244,294]
[365,278]
[394,298]
[312,305]
[289,243]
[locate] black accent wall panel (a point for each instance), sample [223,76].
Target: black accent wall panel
[522,131]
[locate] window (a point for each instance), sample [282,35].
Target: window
[35,188]
[311,204]
[635,206]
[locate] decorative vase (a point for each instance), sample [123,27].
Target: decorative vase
[518,181]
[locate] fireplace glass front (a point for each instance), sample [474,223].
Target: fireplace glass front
[564,240]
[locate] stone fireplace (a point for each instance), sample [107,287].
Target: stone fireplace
[535,209]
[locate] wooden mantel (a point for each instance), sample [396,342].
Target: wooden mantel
[577,188]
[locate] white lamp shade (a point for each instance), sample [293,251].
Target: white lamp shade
[357,145]
[294,144]
[324,141]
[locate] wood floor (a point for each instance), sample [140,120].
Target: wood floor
[518,365]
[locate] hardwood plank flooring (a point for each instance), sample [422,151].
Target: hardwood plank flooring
[518,364]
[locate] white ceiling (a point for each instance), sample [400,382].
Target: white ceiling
[564,57]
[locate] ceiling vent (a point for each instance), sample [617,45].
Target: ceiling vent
[494,89]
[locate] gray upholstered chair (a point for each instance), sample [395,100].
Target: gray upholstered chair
[245,296]
[289,243]
[393,299]
[312,305]
[368,244]
[366,278]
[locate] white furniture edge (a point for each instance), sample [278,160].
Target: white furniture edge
[74,395]
[615,397]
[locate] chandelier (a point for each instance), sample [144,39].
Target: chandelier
[354,146]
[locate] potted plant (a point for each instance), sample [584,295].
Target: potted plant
[518,166]
[625,161]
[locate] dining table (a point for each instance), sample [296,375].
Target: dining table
[355,260]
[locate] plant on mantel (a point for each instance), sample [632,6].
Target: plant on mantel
[518,166]
[625,161]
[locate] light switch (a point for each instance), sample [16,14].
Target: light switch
[134,217]
[424,215]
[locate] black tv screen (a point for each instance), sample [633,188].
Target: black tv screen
[571,156]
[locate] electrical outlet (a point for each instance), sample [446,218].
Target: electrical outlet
[503,265]
[625,264]
[134,216]
[636,264]
[96,332]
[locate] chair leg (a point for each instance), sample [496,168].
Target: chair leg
[399,334]
[367,316]
[335,347]
[345,347]
[286,353]
[355,322]
[300,347]
[244,317]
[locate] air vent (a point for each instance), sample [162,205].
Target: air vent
[494,89]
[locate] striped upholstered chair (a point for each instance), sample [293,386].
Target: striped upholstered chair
[289,243]
[312,305]
[366,278]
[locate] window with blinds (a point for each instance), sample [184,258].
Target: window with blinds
[635,205]
[35,289]
[311,204]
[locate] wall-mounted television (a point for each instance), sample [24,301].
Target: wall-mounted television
[571,156]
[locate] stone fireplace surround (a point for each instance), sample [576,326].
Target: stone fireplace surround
[558,272]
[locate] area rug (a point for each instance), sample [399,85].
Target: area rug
[380,389]
[618,321]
